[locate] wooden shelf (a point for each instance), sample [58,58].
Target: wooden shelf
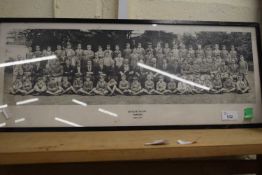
[62,147]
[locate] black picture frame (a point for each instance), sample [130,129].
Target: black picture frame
[130,22]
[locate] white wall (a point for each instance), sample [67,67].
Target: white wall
[211,10]
[26,8]
[85,8]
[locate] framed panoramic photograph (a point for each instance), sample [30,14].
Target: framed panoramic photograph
[88,74]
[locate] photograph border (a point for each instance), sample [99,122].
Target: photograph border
[135,22]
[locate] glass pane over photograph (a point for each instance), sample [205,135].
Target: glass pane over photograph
[111,75]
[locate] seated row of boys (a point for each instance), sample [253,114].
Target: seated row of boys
[153,85]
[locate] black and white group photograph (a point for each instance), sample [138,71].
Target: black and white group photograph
[101,66]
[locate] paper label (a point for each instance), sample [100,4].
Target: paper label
[229,115]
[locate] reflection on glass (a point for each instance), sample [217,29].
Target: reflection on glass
[107,112]
[2,124]
[19,120]
[5,114]
[67,122]
[3,106]
[79,102]
[27,101]
[28,61]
